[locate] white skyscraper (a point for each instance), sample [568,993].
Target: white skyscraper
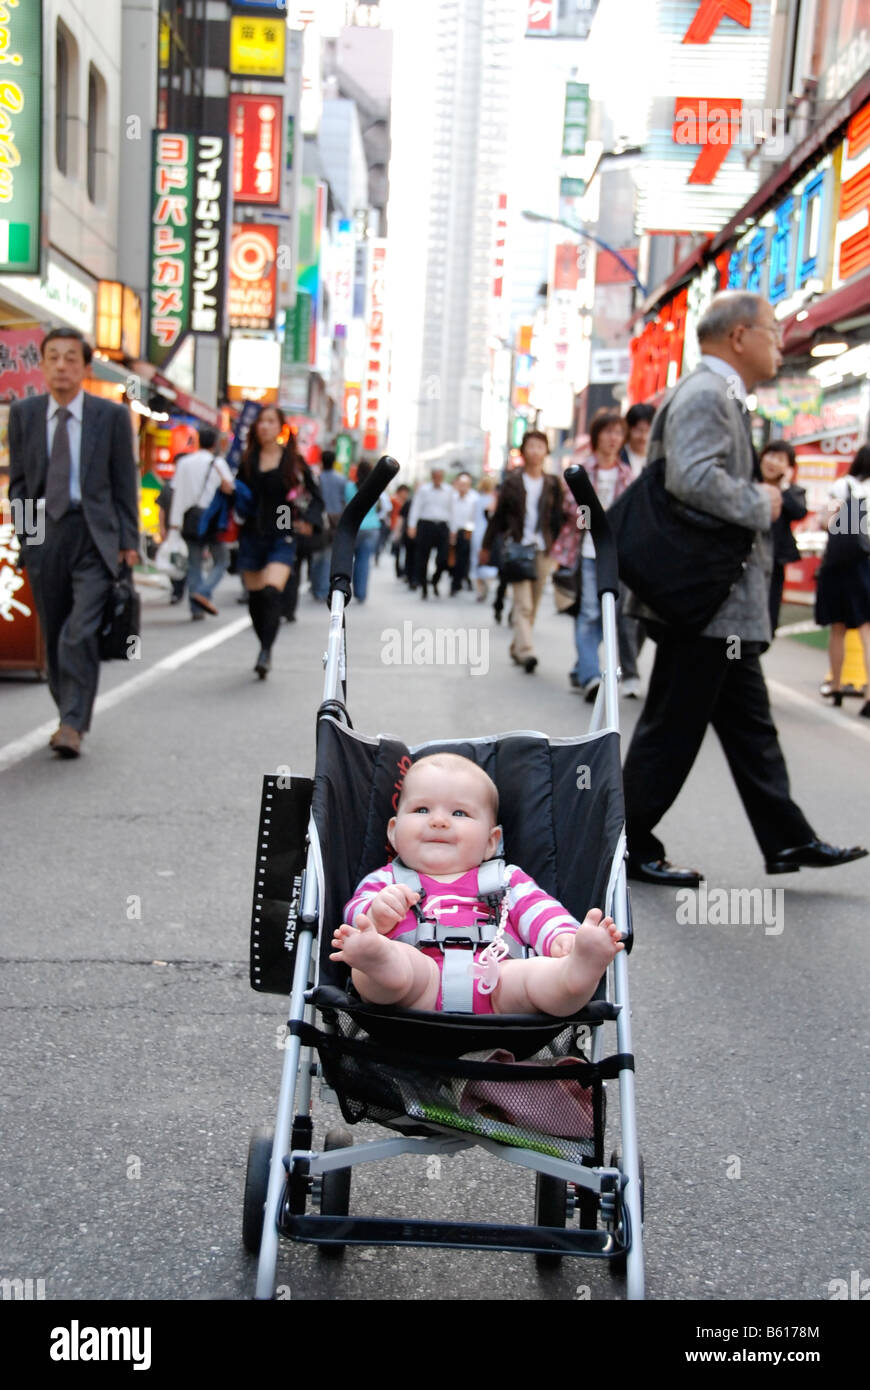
[451,113]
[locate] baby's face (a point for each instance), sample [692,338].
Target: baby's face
[444,825]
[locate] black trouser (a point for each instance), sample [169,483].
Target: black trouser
[777,582]
[462,562]
[71,586]
[431,535]
[694,683]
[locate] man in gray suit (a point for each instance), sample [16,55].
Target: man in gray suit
[73,473]
[716,677]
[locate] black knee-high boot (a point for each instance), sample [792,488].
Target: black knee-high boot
[271,619]
[255,608]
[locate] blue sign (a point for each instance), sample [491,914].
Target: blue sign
[788,247]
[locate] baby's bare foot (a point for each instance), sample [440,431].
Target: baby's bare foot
[383,969]
[595,945]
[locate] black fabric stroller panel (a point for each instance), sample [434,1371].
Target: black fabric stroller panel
[564,834]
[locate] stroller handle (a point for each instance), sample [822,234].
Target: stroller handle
[341,568]
[606,566]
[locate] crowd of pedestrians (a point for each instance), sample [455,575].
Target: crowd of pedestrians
[71,457]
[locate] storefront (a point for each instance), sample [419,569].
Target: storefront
[803,242]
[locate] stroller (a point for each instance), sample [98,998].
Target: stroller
[530,1090]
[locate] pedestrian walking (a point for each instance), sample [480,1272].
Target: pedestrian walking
[529,512]
[629,632]
[843,584]
[286,503]
[178,584]
[333,489]
[715,677]
[368,536]
[777,464]
[401,505]
[73,485]
[638,423]
[197,478]
[428,527]
[609,477]
[463,506]
[484,506]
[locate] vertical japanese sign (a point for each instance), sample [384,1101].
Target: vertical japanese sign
[20,136]
[576,118]
[171,218]
[209,234]
[187,240]
[375,382]
[255,124]
[341,276]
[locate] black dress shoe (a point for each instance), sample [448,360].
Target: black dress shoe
[264,664]
[530,663]
[815,855]
[660,871]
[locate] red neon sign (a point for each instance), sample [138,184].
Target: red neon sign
[710,15]
[712,124]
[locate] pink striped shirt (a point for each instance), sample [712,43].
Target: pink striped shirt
[534,918]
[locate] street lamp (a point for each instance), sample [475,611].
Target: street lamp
[581,231]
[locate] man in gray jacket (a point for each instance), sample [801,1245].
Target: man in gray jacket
[73,474]
[716,677]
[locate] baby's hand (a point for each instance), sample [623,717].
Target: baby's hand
[563,944]
[391,905]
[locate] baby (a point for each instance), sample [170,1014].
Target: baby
[445,826]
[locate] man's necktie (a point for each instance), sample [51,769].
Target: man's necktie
[59,469]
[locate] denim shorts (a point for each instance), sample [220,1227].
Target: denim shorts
[255,552]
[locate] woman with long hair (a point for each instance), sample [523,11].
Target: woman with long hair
[286,502]
[843,590]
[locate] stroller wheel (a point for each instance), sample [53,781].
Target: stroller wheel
[335,1188]
[551,1209]
[619,1265]
[256,1183]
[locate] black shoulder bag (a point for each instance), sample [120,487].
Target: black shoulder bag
[192,522]
[680,562]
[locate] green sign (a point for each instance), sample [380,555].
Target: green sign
[576,118]
[343,451]
[171,232]
[519,425]
[297,332]
[20,136]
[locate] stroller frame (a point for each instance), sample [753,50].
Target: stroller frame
[295,1165]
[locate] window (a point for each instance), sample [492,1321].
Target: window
[65,112]
[96,135]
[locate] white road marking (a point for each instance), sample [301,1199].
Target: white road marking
[22,747]
[851,723]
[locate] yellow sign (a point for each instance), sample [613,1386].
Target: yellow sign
[257,46]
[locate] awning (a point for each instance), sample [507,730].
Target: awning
[843,304]
[181,401]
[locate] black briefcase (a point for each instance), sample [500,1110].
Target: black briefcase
[119,635]
[679,562]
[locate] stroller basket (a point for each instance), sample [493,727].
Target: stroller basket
[488,1093]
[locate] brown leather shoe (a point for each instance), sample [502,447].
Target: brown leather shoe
[67,741]
[206,603]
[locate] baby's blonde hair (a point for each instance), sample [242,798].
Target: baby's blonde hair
[455,762]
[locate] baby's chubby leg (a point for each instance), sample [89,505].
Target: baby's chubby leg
[559,986]
[386,971]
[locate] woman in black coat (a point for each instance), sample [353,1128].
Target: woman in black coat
[286,503]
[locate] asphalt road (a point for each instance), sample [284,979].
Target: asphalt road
[138,1058]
